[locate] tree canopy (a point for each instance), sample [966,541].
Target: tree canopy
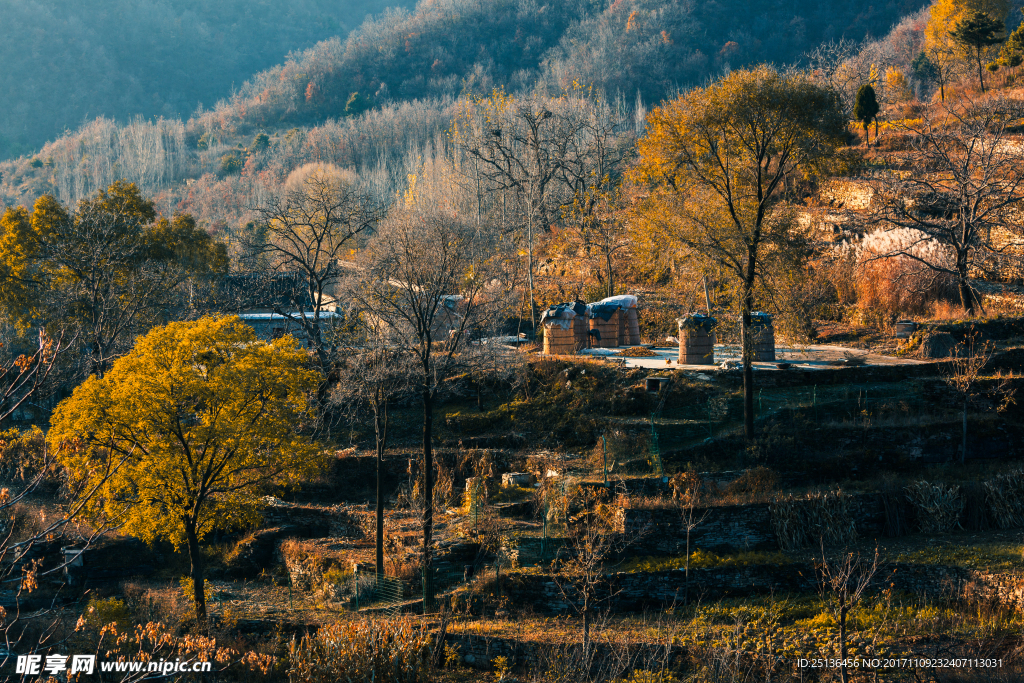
[1012,51]
[945,14]
[187,431]
[716,164]
[309,230]
[866,108]
[106,268]
[975,33]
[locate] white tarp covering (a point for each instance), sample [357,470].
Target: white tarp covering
[622,301]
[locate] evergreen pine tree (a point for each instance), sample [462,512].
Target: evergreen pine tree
[975,33]
[865,108]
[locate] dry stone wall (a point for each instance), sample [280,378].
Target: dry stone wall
[626,592]
[727,528]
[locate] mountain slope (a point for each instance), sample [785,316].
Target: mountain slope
[65,62]
[389,88]
[447,47]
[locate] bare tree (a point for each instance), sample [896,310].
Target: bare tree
[833,64]
[687,495]
[946,65]
[581,578]
[21,376]
[595,158]
[373,374]
[966,181]
[962,373]
[842,584]
[521,145]
[307,231]
[434,285]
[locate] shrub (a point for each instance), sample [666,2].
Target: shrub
[378,651]
[337,584]
[22,454]
[754,484]
[231,163]
[703,559]
[645,676]
[1005,497]
[938,506]
[820,517]
[899,285]
[188,589]
[100,612]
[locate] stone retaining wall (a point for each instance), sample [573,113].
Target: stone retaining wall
[626,592]
[868,374]
[313,521]
[726,528]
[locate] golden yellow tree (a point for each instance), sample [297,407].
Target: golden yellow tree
[105,270]
[717,164]
[186,432]
[945,13]
[943,17]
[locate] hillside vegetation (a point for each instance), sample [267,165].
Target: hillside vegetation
[786,428]
[69,62]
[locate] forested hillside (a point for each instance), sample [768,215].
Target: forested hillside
[448,47]
[638,341]
[68,62]
[83,73]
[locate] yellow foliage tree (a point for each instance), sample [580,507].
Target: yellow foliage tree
[716,163]
[946,13]
[186,432]
[940,47]
[897,87]
[105,270]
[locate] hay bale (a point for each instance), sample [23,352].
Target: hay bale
[608,331]
[696,340]
[580,329]
[559,341]
[632,327]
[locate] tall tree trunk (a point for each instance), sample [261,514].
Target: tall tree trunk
[529,265]
[748,367]
[686,584]
[380,419]
[966,298]
[586,632]
[963,448]
[611,276]
[195,557]
[842,642]
[966,295]
[99,363]
[428,500]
